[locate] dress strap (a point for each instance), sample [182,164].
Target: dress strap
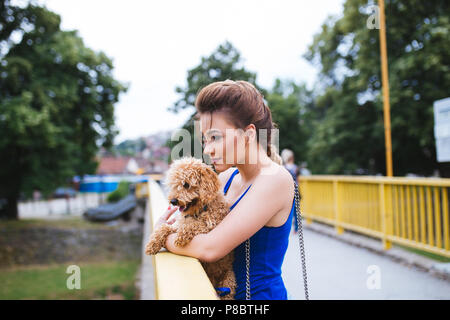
[227,185]
[234,204]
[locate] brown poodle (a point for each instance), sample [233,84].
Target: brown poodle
[195,188]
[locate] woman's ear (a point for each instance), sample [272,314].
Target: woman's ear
[250,133]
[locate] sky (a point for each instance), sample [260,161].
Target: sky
[154,43]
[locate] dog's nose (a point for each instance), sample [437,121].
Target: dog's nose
[174,202]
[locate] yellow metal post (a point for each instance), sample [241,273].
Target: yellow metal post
[416,215]
[385,213]
[423,233]
[437,212]
[409,217]
[446,226]
[402,212]
[385,84]
[430,218]
[337,207]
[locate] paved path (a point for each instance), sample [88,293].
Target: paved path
[337,270]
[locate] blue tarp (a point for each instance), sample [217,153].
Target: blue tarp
[99,184]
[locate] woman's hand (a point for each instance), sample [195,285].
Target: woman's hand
[165,217]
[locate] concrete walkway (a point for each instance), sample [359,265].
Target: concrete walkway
[337,270]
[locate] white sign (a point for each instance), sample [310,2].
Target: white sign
[442,129]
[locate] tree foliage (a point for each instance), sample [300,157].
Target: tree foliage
[291,105]
[224,63]
[338,127]
[350,134]
[56,103]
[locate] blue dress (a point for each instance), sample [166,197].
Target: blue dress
[267,249]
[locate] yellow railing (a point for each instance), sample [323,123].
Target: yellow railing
[176,277]
[156,176]
[141,190]
[408,211]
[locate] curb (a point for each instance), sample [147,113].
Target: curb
[433,267]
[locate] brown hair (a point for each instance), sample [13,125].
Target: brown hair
[242,104]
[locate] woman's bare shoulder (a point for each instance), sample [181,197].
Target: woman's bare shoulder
[276,178]
[276,173]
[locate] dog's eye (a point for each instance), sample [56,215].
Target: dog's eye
[186,185]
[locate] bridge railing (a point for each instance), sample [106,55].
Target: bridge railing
[141,190]
[408,211]
[176,277]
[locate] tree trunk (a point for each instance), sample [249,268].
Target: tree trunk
[9,210]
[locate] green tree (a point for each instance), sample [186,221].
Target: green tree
[130,147]
[350,134]
[224,63]
[56,104]
[291,106]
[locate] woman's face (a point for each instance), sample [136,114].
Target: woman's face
[222,141]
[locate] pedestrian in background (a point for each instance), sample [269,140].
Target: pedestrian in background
[304,170]
[288,161]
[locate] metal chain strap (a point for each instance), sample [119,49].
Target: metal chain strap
[302,250]
[300,239]
[247,265]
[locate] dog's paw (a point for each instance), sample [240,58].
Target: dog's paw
[151,248]
[180,242]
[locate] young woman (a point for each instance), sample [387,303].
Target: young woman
[235,121]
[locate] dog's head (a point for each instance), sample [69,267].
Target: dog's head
[192,184]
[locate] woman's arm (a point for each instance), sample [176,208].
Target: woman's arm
[260,204]
[196,248]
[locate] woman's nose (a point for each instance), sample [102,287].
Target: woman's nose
[208,149]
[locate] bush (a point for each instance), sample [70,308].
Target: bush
[123,189]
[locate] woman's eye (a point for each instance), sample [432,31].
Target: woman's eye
[212,138]
[186,185]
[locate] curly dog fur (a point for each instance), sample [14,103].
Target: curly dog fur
[195,188]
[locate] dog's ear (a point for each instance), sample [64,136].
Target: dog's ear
[210,183]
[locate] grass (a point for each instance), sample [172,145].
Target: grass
[426,254]
[101,280]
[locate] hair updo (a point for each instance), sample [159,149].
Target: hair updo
[242,104]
